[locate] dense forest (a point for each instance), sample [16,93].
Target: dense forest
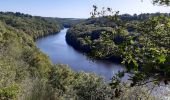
[140,42]
[33,26]
[27,74]
[68,22]
[65,22]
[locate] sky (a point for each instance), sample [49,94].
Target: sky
[78,8]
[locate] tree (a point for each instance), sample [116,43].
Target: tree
[162,2]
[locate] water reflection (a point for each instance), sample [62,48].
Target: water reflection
[59,51]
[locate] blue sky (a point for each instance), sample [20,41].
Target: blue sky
[78,8]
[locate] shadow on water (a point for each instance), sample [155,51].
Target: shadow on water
[59,51]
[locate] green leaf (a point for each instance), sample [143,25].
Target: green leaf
[162,58]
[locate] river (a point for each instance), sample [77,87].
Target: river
[60,52]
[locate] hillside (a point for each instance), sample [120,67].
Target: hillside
[68,22]
[33,25]
[28,74]
[65,22]
[141,45]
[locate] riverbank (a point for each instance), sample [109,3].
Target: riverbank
[27,73]
[56,47]
[59,51]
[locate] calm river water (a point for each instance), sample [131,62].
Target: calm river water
[60,52]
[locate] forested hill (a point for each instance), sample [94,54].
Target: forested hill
[78,36]
[65,22]
[90,30]
[32,25]
[27,74]
[22,65]
[142,45]
[143,16]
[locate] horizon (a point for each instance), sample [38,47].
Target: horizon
[75,18]
[67,9]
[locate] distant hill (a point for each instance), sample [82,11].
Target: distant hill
[65,22]
[35,26]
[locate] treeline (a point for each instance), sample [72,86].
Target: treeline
[69,22]
[141,45]
[141,17]
[65,22]
[35,26]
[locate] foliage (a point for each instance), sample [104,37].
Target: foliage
[28,74]
[142,45]
[68,22]
[78,85]
[162,2]
[20,60]
[33,25]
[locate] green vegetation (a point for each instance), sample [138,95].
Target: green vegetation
[142,44]
[65,22]
[68,22]
[81,86]
[27,74]
[20,60]
[162,2]
[32,25]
